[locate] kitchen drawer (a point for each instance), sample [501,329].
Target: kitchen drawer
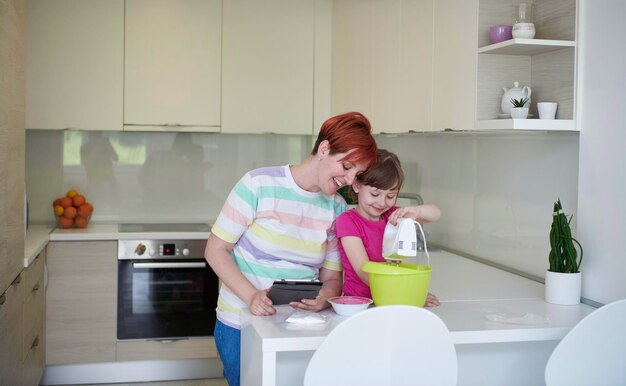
[34,312]
[35,271]
[161,350]
[34,364]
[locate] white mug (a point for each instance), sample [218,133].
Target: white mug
[547,110]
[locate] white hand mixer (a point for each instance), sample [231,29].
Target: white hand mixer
[400,241]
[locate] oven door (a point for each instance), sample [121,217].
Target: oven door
[165,299]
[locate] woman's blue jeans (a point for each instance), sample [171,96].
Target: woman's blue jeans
[228,342]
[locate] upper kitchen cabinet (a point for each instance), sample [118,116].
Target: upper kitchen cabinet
[75,64]
[547,64]
[383,62]
[172,65]
[276,66]
[455,64]
[12,114]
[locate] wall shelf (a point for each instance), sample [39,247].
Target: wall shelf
[526,124]
[526,47]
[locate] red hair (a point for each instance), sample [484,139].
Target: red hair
[346,132]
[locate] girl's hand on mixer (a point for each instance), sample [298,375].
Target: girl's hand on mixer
[422,213]
[431,300]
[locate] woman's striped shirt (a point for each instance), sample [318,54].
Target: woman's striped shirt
[280,231]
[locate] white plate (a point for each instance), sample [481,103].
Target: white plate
[508,116]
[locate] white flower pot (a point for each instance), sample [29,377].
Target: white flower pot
[519,112]
[563,288]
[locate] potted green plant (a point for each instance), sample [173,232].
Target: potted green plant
[563,278]
[519,109]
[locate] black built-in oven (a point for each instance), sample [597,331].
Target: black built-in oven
[166,290]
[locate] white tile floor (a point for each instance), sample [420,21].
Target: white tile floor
[196,382]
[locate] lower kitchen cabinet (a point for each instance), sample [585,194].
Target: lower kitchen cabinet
[33,321]
[22,310]
[11,310]
[196,348]
[81,302]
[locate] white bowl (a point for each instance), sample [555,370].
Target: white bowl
[349,305]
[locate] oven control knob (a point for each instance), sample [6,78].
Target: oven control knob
[152,252]
[185,252]
[140,249]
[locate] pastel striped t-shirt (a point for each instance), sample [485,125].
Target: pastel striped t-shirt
[280,231]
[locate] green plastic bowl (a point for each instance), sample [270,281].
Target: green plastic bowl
[398,284]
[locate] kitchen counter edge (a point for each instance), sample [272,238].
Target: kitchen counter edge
[38,236]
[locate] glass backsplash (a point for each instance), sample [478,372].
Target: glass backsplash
[495,190]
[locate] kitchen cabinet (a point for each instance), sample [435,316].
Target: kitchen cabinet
[546,63]
[383,62]
[455,64]
[276,66]
[195,348]
[172,65]
[11,310]
[12,110]
[75,64]
[81,302]
[33,324]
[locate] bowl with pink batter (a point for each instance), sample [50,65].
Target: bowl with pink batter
[349,305]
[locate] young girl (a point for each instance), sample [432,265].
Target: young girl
[361,230]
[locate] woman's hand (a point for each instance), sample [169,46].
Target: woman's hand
[431,300]
[261,305]
[333,281]
[315,305]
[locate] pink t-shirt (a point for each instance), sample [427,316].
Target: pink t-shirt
[351,223]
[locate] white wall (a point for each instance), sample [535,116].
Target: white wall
[602,178]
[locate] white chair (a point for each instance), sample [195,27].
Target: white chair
[593,352]
[388,345]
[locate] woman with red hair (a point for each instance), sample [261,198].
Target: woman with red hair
[277,223]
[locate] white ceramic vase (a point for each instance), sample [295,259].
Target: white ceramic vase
[519,112]
[563,288]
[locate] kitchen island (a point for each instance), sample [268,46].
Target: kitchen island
[503,330]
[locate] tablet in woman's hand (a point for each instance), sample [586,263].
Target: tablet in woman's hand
[287,291]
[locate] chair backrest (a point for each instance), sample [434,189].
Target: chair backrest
[593,352]
[388,345]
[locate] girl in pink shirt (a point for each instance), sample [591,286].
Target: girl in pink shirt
[360,230]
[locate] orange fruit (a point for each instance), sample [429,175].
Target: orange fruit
[56,202]
[78,200]
[85,210]
[66,201]
[70,212]
[58,210]
[65,222]
[81,222]
[71,193]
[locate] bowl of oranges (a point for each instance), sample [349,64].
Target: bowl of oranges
[72,210]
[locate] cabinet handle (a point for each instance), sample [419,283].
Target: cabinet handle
[168,341]
[35,288]
[35,342]
[3,299]
[169,265]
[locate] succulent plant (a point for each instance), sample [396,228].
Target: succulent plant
[563,255]
[519,102]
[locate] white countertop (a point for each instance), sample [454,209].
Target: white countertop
[38,235]
[95,232]
[469,292]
